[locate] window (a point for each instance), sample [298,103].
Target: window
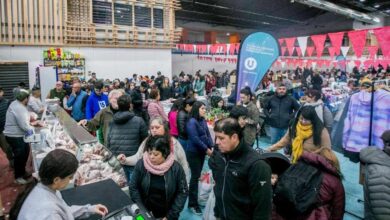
[142,16]
[102,12]
[123,14]
[158,18]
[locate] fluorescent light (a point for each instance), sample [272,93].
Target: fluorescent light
[377,6]
[362,0]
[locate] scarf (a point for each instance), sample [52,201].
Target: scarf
[161,169]
[319,108]
[303,132]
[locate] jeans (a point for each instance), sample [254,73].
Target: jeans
[195,162]
[21,151]
[276,134]
[183,143]
[128,172]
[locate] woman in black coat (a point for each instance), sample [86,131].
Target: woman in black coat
[158,181]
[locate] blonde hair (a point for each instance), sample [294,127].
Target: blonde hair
[116,92]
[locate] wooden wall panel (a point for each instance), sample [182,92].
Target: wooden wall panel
[31,20]
[40,23]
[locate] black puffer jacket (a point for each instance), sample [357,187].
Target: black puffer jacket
[280,110]
[176,189]
[181,120]
[242,184]
[126,133]
[4,103]
[376,183]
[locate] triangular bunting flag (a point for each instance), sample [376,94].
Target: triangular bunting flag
[372,50]
[331,52]
[299,52]
[290,45]
[357,63]
[302,42]
[309,51]
[319,41]
[283,50]
[358,40]
[281,40]
[344,51]
[383,37]
[336,39]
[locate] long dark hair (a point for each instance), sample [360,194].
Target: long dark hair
[58,163]
[195,110]
[177,105]
[309,113]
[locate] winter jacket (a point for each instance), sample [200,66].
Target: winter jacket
[357,122]
[17,120]
[199,138]
[178,150]
[102,120]
[155,109]
[250,129]
[331,195]
[376,183]
[280,110]
[317,81]
[182,118]
[176,189]
[210,83]
[95,103]
[199,87]
[4,103]
[126,133]
[323,113]
[308,144]
[176,92]
[165,93]
[242,184]
[76,102]
[172,116]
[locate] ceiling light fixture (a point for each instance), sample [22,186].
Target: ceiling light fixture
[328,6]
[377,6]
[362,0]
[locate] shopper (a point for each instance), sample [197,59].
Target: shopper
[199,144]
[250,130]
[137,105]
[165,89]
[17,125]
[43,200]
[104,117]
[240,113]
[210,82]
[93,78]
[172,117]
[34,103]
[159,80]
[199,85]
[155,109]
[76,102]
[96,101]
[57,92]
[20,86]
[306,133]
[279,110]
[4,103]
[159,127]
[176,90]
[317,81]
[242,180]
[159,182]
[182,119]
[329,192]
[376,181]
[126,133]
[313,98]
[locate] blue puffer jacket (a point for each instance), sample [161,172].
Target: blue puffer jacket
[95,103]
[199,138]
[76,102]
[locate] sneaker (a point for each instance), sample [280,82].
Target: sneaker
[196,210]
[22,181]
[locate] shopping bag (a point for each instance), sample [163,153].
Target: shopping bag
[208,213]
[205,187]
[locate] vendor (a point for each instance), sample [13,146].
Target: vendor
[158,181]
[43,200]
[34,103]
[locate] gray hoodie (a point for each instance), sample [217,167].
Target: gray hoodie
[376,183]
[17,120]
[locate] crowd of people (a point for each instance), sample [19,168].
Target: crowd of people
[163,153]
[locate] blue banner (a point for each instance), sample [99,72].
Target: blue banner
[257,53]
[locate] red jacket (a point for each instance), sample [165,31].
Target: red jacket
[210,83]
[332,194]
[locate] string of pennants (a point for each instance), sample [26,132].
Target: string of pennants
[299,47]
[320,63]
[217,59]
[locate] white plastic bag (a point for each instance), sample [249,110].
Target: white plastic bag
[205,187]
[208,213]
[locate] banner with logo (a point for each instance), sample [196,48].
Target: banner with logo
[257,53]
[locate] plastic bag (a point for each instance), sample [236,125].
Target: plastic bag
[208,213]
[205,187]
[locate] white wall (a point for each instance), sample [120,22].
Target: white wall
[190,64]
[108,63]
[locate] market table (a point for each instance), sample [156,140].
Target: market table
[105,192]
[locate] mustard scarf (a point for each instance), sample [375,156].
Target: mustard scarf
[303,132]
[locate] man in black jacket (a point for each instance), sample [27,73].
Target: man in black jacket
[126,132]
[242,180]
[279,110]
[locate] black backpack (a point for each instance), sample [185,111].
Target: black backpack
[297,190]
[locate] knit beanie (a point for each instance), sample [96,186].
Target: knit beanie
[22,94]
